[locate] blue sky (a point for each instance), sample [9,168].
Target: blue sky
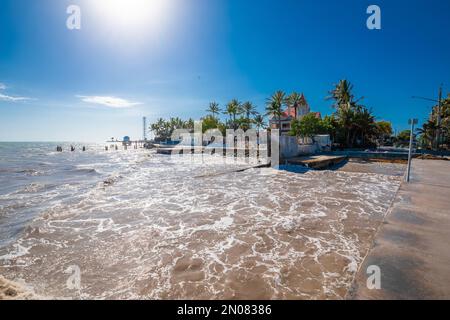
[90,84]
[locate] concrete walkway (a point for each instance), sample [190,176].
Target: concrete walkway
[317,162]
[412,247]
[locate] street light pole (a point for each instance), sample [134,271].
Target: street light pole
[412,122]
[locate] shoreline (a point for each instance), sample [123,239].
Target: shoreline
[10,290]
[300,227]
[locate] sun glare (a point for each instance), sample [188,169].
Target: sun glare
[132,16]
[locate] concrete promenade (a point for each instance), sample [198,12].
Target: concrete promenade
[412,247]
[317,162]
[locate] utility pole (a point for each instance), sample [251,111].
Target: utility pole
[412,122]
[438,131]
[438,118]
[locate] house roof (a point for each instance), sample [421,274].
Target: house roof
[290,115]
[289,112]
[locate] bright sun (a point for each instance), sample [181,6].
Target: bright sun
[131,16]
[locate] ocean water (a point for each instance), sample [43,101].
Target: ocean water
[140,225]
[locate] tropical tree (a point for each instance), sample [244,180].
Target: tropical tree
[306,127]
[384,128]
[402,139]
[176,123]
[274,106]
[232,110]
[330,126]
[342,94]
[189,124]
[163,129]
[383,132]
[296,101]
[210,122]
[213,109]
[356,123]
[362,127]
[345,117]
[259,122]
[428,133]
[248,109]
[430,129]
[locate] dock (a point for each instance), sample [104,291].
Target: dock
[411,248]
[319,162]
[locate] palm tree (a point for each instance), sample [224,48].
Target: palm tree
[161,129]
[296,100]
[233,109]
[428,132]
[189,124]
[345,117]
[342,94]
[213,108]
[275,106]
[176,123]
[259,122]
[248,109]
[363,125]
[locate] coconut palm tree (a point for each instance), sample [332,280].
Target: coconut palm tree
[363,125]
[248,109]
[161,129]
[344,117]
[342,94]
[259,122]
[275,106]
[213,108]
[428,132]
[296,101]
[233,109]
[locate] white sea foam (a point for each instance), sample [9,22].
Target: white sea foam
[179,228]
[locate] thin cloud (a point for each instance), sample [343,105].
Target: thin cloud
[108,101]
[5,97]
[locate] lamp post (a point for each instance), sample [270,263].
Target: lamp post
[412,122]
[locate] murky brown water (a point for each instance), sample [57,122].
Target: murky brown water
[164,230]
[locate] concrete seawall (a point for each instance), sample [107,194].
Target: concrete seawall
[412,247]
[373,155]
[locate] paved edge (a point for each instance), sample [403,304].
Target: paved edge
[411,245]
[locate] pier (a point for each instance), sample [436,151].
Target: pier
[411,247]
